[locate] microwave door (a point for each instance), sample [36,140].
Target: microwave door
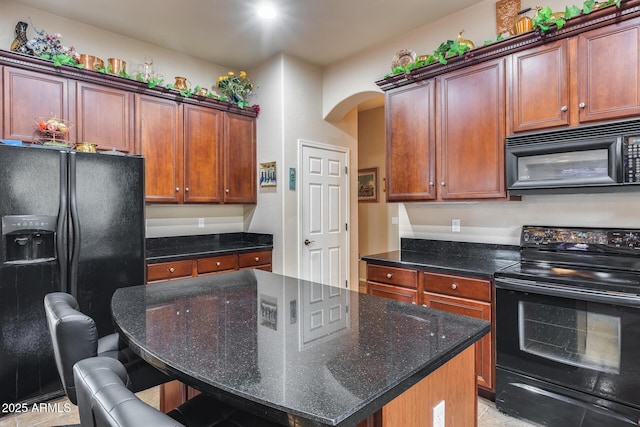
[564,164]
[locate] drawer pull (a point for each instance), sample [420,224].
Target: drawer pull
[171,270]
[389,275]
[257,259]
[218,264]
[177,189]
[454,286]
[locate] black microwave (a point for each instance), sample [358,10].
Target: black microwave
[593,158]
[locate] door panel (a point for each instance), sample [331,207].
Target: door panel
[324,198]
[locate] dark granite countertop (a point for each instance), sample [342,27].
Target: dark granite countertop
[253,337]
[473,259]
[163,249]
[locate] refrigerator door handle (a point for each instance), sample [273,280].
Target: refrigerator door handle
[62,220]
[75,226]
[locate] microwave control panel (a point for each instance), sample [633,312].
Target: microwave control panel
[631,158]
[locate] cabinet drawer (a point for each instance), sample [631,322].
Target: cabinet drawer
[464,287]
[392,276]
[217,264]
[169,270]
[252,259]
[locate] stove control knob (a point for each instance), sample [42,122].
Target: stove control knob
[631,239]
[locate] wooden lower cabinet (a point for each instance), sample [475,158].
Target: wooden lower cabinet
[394,283]
[464,295]
[472,308]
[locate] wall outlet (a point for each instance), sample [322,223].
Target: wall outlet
[200,222]
[394,220]
[438,414]
[455,225]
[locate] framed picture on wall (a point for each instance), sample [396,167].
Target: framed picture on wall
[368,185]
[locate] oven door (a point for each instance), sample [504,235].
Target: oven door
[581,341]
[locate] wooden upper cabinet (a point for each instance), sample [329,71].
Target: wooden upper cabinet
[240,173]
[540,87]
[158,135]
[608,72]
[202,154]
[471,133]
[104,117]
[411,143]
[28,95]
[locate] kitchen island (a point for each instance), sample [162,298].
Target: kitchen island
[302,353]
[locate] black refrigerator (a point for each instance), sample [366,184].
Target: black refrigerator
[71,222]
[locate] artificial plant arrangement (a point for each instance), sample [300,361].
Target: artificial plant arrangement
[237,88]
[49,47]
[542,22]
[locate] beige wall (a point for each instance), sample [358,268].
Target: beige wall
[376,233]
[292,112]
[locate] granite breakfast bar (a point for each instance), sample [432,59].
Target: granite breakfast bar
[302,353]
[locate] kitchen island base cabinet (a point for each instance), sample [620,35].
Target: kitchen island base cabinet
[454,383]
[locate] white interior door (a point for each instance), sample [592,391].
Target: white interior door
[323,199]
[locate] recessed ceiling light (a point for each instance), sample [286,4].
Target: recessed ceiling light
[266,11]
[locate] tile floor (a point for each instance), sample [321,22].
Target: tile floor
[62,415]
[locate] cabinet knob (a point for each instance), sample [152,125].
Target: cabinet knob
[171,270]
[564,108]
[582,105]
[186,189]
[256,259]
[226,191]
[430,183]
[218,264]
[442,183]
[389,275]
[454,286]
[177,189]
[414,303]
[177,312]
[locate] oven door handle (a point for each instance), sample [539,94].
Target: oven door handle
[581,294]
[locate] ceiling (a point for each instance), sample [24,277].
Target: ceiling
[228,32]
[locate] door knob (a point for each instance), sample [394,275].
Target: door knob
[307,242]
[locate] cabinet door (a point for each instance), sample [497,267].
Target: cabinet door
[239,159]
[103,116]
[479,310]
[609,84]
[158,133]
[540,87]
[393,292]
[411,143]
[471,137]
[202,155]
[28,95]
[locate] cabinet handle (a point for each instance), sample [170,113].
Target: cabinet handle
[582,105]
[257,259]
[218,264]
[171,270]
[454,286]
[186,189]
[177,189]
[389,275]
[564,108]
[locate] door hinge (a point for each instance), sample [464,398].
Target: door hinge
[346,227]
[346,170]
[346,283]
